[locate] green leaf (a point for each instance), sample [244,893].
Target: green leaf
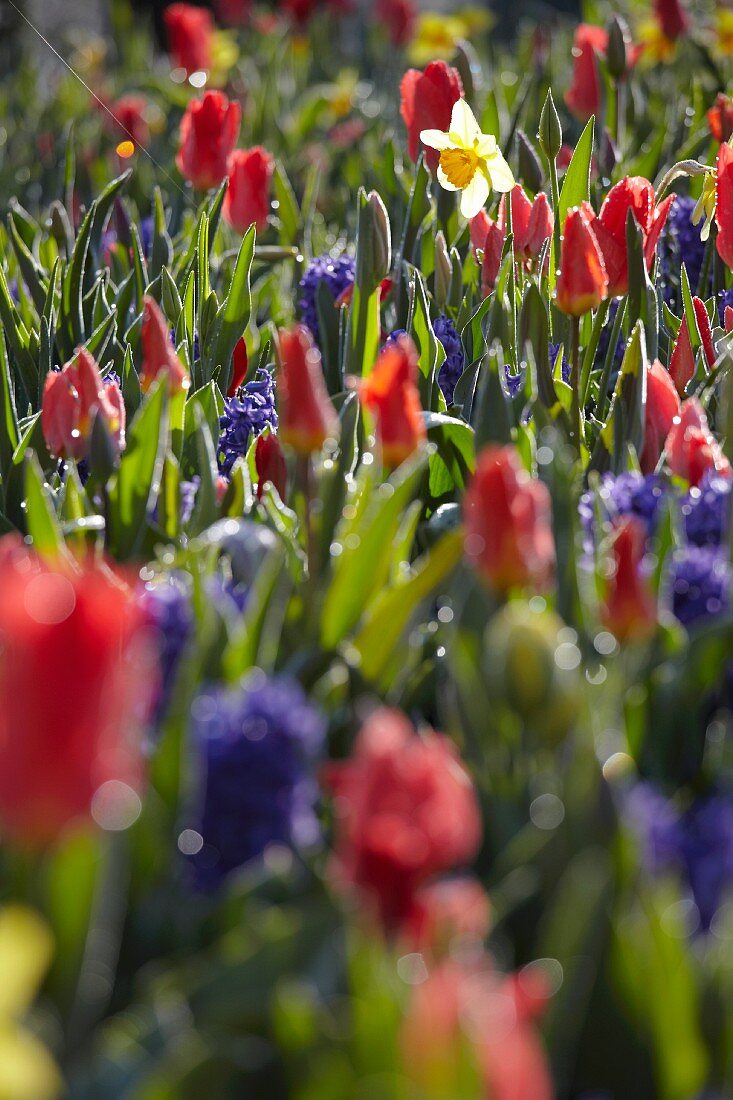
[575,187]
[234,313]
[42,524]
[135,486]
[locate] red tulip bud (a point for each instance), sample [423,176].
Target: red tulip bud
[682,360]
[662,406]
[307,417]
[691,447]
[247,200]
[240,362]
[391,393]
[209,131]
[159,355]
[72,397]
[270,465]
[582,283]
[628,609]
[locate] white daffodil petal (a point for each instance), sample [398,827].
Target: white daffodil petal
[463,124]
[435,139]
[474,196]
[444,181]
[487,146]
[500,173]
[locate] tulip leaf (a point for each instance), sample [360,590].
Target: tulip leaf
[41,521]
[8,416]
[575,189]
[134,489]
[233,315]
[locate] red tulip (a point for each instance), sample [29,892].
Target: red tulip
[405,811]
[583,97]
[464,1009]
[662,406]
[233,13]
[728,319]
[582,283]
[159,355]
[240,363]
[628,608]
[209,130]
[691,447]
[724,204]
[672,18]
[129,112]
[532,222]
[72,398]
[391,393]
[427,100]
[307,417]
[489,238]
[682,360]
[270,465]
[636,194]
[398,16]
[76,680]
[447,912]
[247,199]
[190,33]
[507,518]
[720,117]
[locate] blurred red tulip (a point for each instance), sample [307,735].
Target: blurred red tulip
[270,465]
[691,447]
[129,113]
[209,130]
[307,417]
[233,13]
[583,97]
[159,355]
[636,194]
[662,406]
[405,811]
[190,31]
[398,16]
[247,199]
[391,393]
[72,398]
[582,283]
[682,360]
[447,912]
[628,609]
[720,117]
[427,100]
[724,204]
[507,517]
[470,1010]
[672,18]
[76,680]
[240,363]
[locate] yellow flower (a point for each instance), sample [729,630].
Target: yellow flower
[705,207]
[657,47]
[437,34]
[470,161]
[27,1070]
[724,31]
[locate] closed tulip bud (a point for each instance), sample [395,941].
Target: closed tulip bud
[307,417]
[728,319]
[530,169]
[391,394]
[159,355]
[72,398]
[507,516]
[520,665]
[76,682]
[443,269]
[209,129]
[662,406]
[724,203]
[240,363]
[582,283]
[247,200]
[682,360]
[691,447]
[550,132]
[374,249]
[628,609]
[270,465]
[617,51]
[190,30]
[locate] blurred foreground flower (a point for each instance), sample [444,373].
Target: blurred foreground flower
[209,129]
[72,399]
[507,515]
[628,609]
[470,161]
[391,393]
[691,447]
[405,811]
[307,417]
[662,406]
[76,680]
[257,743]
[27,1071]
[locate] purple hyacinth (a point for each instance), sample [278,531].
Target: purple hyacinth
[452,366]
[338,274]
[699,583]
[166,603]
[706,510]
[697,842]
[187,491]
[245,416]
[257,743]
[621,495]
[681,244]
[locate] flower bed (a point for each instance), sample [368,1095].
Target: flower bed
[366,645]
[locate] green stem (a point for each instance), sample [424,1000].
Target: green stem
[557,228]
[603,400]
[305,483]
[592,348]
[620,98]
[575,381]
[512,283]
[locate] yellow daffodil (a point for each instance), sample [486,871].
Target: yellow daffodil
[27,1070]
[657,47]
[437,34]
[724,31]
[470,161]
[705,207]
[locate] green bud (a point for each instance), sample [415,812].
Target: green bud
[617,53]
[443,269]
[374,243]
[550,132]
[469,68]
[530,168]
